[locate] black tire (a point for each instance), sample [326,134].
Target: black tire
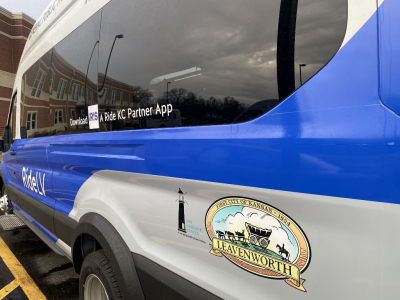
[9,207]
[3,189]
[97,263]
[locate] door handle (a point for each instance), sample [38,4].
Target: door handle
[13,153]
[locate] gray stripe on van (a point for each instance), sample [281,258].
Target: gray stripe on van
[353,242]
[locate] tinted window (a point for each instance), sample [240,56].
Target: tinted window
[35,89]
[74,65]
[166,63]
[209,62]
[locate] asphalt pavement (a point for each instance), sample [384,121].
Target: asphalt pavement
[52,276]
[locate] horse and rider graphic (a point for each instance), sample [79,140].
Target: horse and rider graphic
[282,251]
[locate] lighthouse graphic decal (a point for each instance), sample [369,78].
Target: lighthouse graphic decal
[181,213]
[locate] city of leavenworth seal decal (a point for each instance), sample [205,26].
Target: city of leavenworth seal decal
[258,238]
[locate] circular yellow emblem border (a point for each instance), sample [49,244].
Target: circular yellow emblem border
[303,258]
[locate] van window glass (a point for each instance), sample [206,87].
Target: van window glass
[35,89]
[74,64]
[209,62]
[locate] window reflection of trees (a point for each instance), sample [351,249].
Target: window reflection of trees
[194,109]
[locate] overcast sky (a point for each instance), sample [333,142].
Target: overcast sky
[32,8]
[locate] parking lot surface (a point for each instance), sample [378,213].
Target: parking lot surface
[29,269]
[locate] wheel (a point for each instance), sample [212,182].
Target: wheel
[253,239]
[8,209]
[97,280]
[264,242]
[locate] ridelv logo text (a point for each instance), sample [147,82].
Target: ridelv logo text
[35,182]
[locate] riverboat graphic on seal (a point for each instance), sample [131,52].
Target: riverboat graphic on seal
[258,238]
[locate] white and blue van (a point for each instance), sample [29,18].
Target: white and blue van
[272,172]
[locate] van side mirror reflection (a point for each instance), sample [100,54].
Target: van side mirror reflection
[23,133]
[7,138]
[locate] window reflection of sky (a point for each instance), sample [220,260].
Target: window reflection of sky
[213,49]
[233,42]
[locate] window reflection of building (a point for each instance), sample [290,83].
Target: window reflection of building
[58,117]
[38,85]
[61,89]
[31,120]
[72,96]
[75,92]
[210,84]
[35,91]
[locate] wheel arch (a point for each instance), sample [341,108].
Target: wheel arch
[95,229]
